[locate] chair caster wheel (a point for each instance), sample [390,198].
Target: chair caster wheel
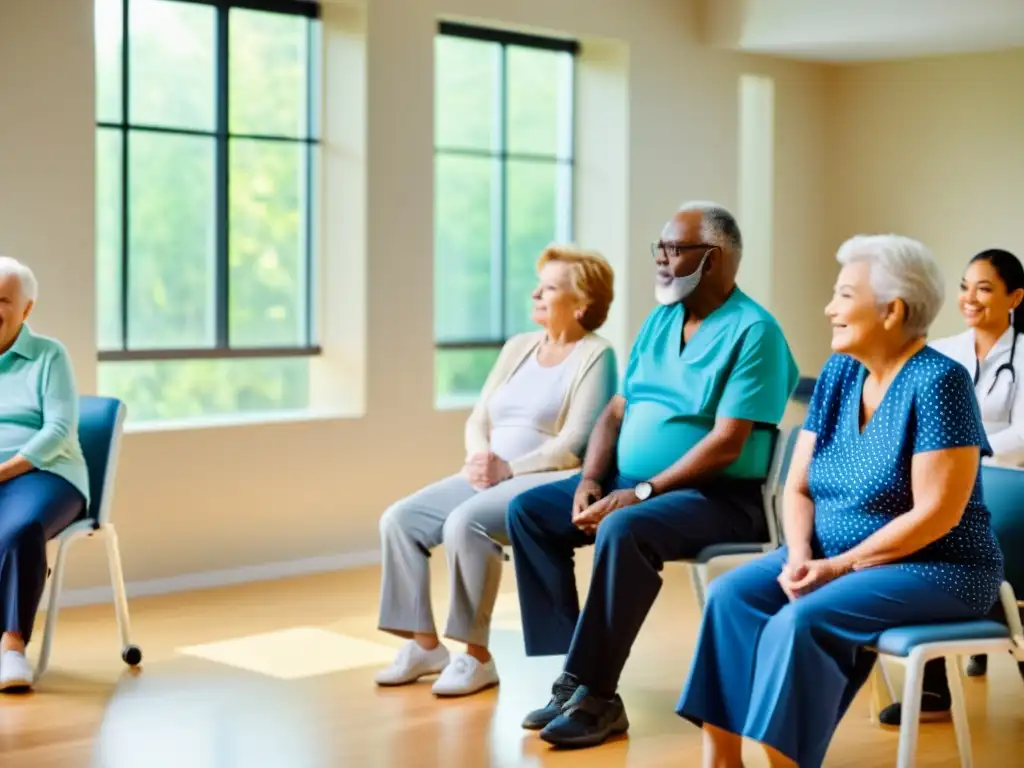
[132,656]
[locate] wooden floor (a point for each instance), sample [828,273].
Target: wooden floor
[280,674]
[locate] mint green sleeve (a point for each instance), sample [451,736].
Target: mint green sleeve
[59,398]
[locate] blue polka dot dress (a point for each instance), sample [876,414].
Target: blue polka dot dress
[783,672]
[860,480]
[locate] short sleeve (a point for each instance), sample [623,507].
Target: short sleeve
[946,411]
[762,379]
[822,396]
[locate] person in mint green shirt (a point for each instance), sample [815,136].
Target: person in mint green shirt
[44,484]
[674,464]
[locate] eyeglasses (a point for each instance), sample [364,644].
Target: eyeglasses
[675,250]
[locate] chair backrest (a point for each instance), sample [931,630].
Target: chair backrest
[778,470]
[804,389]
[100,423]
[1003,488]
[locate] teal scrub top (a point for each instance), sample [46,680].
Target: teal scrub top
[39,408]
[737,365]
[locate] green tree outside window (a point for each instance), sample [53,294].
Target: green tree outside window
[503,176]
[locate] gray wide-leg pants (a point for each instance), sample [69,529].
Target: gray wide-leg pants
[470,524]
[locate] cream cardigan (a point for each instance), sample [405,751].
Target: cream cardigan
[589,390]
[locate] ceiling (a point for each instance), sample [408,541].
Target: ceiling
[863,30]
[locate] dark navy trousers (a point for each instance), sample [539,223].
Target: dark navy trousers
[630,547]
[34,508]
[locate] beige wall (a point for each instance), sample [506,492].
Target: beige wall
[47,140]
[196,500]
[933,149]
[863,30]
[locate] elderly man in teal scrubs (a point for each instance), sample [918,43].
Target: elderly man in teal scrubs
[44,483]
[675,463]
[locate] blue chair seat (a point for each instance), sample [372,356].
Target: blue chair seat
[901,641]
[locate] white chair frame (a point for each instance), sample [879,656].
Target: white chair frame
[104,530]
[882,691]
[723,558]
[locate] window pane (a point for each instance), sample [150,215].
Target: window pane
[267,73]
[459,374]
[466,93]
[532,226]
[171,241]
[182,389]
[267,244]
[540,96]
[465,201]
[172,67]
[108,238]
[109,28]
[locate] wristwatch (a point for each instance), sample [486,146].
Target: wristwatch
[643,490]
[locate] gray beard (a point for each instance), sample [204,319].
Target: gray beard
[673,293]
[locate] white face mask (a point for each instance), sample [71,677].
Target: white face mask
[680,287]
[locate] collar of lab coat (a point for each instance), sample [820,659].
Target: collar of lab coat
[1003,344]
[961,349]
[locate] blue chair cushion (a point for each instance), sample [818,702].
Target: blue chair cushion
[804,389]
[97,420]
[902,640]
[1004,496]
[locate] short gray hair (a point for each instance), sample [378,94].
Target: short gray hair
[718,226]
[12,267]
[901,268]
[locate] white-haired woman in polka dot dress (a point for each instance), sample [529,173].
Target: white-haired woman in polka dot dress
[883,517]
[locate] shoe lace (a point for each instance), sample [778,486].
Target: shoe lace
[403,655]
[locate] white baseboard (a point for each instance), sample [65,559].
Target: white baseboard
[205,580]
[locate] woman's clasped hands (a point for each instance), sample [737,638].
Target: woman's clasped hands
[485,470]
[802,574]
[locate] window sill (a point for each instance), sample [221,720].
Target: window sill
[462,402]
[235,420]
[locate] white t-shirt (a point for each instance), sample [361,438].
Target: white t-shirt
[524,410]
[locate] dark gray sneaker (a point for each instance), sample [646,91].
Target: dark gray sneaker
[586,721]
[935,708]
[977,666]
[563,689]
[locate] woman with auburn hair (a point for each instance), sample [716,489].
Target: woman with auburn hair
[529,427]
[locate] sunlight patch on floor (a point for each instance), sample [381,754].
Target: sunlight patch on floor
[506,612]
[294,653]
[210,721]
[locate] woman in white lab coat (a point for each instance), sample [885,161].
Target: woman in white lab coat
[991,292]
[991,298]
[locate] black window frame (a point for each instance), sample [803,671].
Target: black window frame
[506,38]
[222,136]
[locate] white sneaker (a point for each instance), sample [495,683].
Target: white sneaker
[15,672]
[466,675]
[412,663]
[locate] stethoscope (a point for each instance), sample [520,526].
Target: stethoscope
[1007,366]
